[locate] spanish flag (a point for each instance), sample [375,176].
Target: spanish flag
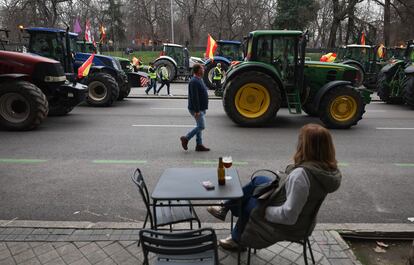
[84,69]
[211,47]
[381,51]
[363,38]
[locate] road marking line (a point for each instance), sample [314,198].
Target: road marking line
[213,162]
[119,161]
[404,164]
[163,125]
[385,128]
[169,108]
[21,161]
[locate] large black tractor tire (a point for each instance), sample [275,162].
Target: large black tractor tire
[23,106]
[409,91]
[59,110]
[309,109]
[170,66]
[252,99]
[341,107]
[361,73]
[103,90]
[384,90]
[209,70]
[124,90]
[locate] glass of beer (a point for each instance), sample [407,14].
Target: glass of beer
[227,162]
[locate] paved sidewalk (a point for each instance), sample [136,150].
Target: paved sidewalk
[78,246]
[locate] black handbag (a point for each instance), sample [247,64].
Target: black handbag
[263,191]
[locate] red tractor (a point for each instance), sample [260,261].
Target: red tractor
[31,87]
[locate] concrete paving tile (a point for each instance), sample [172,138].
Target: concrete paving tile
[289,254]
[333,251]
[32,261]
[341,261]
[131,261]
[43,248]
[82,261]
[2,246]
[72,256]
[96,257]
[81,244]
[121,256]
[36,237]
[137,252]
[127,243]
[278,260]
[59,244]
[8,261]
[35,244]
[264,254]
[18,248]
[90,248]
[112,248]
[66,249]
[324,261]
[295,247]
[7,231]
[63,231]
[48,256]
[58,261]
[3,237]
[5,253]
[41,231]
[108,261]
[23,256]
[276,248]
[104,243]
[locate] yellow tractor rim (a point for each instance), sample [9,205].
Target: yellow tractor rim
[343,108]
[252,100]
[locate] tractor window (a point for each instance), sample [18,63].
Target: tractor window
[47,45]
[263,49]
[176,53]
[230,51]
[283,56]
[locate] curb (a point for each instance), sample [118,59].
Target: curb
[168,97]
[341,228]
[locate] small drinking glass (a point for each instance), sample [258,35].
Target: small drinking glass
[227,162]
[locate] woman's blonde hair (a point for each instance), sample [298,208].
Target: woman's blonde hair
[315,145]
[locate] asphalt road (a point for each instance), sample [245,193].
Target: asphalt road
[78,167]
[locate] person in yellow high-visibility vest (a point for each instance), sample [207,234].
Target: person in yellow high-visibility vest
[152,74]
[165,79]
[217,76]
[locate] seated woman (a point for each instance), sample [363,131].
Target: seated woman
[288,214]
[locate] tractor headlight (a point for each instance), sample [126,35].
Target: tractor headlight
[53,79]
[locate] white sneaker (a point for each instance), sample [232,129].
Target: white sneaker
[170,95]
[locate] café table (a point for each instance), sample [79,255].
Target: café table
[186,184]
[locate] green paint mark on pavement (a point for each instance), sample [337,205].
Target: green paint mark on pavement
[211,162]
[343,164]
[404,164]
[21,161]
[119,161]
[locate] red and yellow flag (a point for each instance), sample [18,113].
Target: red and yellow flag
[328,58]
[211,47]
[381,51]
[363,38]
[85,67]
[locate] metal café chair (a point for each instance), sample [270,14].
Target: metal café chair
[304,241]
[196,247]
[166,215]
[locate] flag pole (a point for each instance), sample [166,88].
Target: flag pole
[172,21]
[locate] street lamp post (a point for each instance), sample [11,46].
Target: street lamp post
[172,21]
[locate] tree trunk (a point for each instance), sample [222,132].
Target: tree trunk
[350,27]
[387,19]
[332,34]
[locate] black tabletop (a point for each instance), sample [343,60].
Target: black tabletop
[186,184]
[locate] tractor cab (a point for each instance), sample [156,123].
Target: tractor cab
[283,51]
[86,47]
[231,50]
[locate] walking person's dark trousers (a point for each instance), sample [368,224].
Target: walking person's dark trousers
[164,83]
[153,84]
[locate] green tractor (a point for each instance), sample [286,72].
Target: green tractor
[275,72]
[177,60]
[365,59]
[395,80]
